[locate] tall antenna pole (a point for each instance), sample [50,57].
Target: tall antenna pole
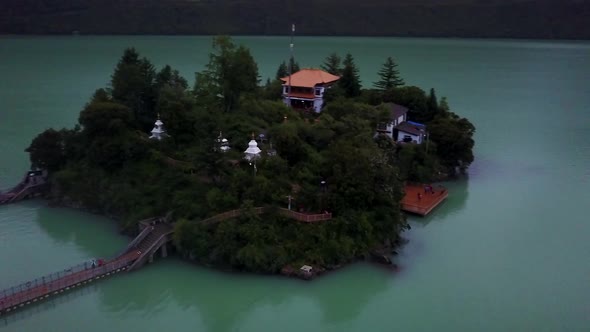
[291,62]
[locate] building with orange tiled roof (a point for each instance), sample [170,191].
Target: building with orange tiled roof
[307,88]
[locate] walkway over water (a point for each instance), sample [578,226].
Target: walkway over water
[31,185]
[155,234]
[152,238]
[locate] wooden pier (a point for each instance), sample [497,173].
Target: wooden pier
[421,199]
[153,238]
[31,292]
[32,184]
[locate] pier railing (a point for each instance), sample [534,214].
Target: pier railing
[304,217]
[150,250]
[44,280]
[230,214]
[136,241]
[16,296]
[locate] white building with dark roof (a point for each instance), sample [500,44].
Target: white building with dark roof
[399,128]
[398,114]
[411,132]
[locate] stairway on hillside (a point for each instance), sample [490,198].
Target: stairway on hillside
[152,237]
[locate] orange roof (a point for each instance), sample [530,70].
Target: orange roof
[309,78]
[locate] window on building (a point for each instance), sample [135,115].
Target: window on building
[318,91]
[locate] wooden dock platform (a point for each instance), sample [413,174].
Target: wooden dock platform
[420,199]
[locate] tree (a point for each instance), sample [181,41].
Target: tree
[175,107]
[443,106]
[105,119]
[109,134]
[132,84]
[294,66]
[350,80]
[46,150]
[231,71]
[288,144]
[170,77]
[282,71]
[454,140]
[432,102]
[389,76]
[100,95]
[272,90]
[332,64]
[414,99]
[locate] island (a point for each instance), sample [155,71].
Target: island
[304,172]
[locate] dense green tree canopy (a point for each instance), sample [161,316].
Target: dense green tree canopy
[231,71]
[132,84]
[46,150]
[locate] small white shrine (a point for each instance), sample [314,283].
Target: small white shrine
[222,143]
[253,151]
[158,132]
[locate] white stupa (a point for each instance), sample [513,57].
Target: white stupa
[252,152]
[158,132]
[224,145]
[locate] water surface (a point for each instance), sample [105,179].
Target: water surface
[508,251]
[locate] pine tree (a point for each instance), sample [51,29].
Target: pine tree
[332,64]
[132,84]
[282,71]
[432,102]
[170,77]
[350,80]
[294,66]
[389,75]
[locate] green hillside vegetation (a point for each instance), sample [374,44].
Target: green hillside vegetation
[545,19]
[107,163]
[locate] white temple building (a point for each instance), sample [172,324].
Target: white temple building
[253,151]
[158,132]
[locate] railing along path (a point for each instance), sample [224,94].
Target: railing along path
[53,284]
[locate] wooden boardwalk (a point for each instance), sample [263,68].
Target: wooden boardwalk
[420,201]
[32,183]
[142,249]
[303,217]
[31,292]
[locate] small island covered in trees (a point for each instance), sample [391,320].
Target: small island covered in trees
[334,161]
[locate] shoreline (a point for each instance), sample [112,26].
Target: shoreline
[381,256]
